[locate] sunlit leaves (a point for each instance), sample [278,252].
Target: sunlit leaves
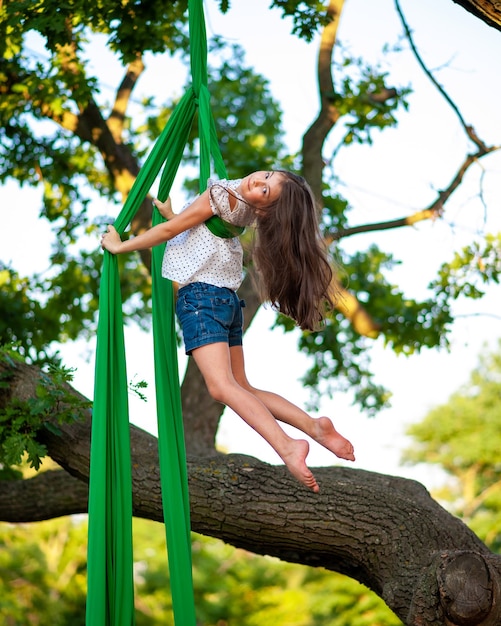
[335,214]
[364,98]
[21,420]
[341,363]
[340,355]
[307,16]
[43,573]
[22,315]
[46,139]
[132,27]
[463,437]
[43,579]
[235,587]
[471,270]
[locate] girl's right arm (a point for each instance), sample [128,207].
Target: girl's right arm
[199,211]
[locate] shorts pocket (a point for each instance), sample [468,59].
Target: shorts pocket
[222,310]
[186,304]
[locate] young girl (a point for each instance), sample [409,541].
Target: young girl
[295,277]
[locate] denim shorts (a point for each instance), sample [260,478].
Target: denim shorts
[209,314]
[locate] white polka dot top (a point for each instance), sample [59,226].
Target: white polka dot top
[196,255]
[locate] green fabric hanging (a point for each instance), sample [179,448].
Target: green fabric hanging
[110,599]
[223,229]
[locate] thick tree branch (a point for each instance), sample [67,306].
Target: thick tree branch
[106,136]
[47,495]
[384,531]
[317,133]
[349,305]
[117,117]
[90,126]
[489,11]
[375,543]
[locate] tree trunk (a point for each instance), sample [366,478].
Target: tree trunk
[383,531]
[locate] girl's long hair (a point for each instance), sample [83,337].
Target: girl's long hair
[290,255]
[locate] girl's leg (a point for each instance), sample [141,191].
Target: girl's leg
[214,362]
[320,430]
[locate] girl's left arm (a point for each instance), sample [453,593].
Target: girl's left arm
[199,211]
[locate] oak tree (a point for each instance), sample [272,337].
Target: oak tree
[58,133]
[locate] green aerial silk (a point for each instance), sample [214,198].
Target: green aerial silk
[223,229]
[110,599]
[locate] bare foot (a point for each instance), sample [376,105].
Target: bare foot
[295,461]
[326,435]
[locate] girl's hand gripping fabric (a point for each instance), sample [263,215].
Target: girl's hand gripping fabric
[164,208]
[199,211]
[111,240]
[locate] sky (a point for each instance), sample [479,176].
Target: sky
[396,176]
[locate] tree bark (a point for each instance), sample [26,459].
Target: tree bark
[384,531]
[489,11]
